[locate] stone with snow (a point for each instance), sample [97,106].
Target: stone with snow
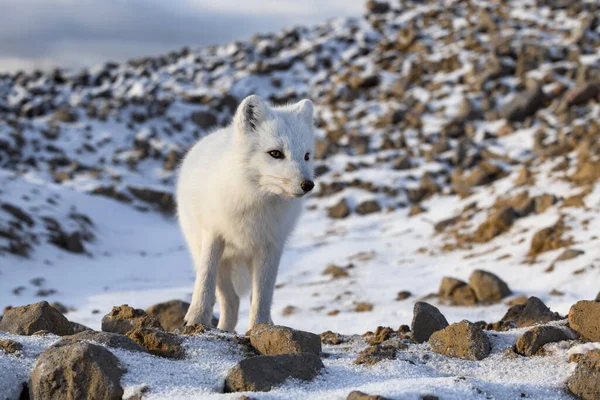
[261,373]
[532,341]
[158,342]
[76,371]
[275,339]
[585,381]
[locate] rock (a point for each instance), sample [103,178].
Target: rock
[158,342]
[598,297]
[340,210]
[329,337]
[169,314]
[204,119]
[379,352]
[65,115]
[261,373]
[495,225]
[427,319]
[583,93]
[584,317]
[124,318]
[547,239]
[463,340]
[457,292]
[377,7]
[368,207]
[534,311]
[76,371]
[532,341]
[488,287]
[164,201]
[403,295]
[402,163]
[585,381]
[196,329]
[272,340]
[336,272]
[524,104]
[109,339]
[77,327]
[569,254]
[363,307]
[10,346]
[358,395]
[29,319]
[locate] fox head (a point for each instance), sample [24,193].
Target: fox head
[278,145]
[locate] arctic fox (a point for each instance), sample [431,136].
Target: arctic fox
[238,198]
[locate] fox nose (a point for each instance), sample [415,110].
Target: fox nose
[307,186]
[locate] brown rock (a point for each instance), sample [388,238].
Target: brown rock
[488,287]
[358,395]
[377,7]
[548,239]
[402,163]
[261,373]
[403,295]
[330,337]
[363,307]
[169,314]
[158,342]
[196,329]
[108,339]
[273,340]
[368,207]
[379,352]
[29,319]
[569,254]
[457,291]
[76,371]
[532,341]
[340,210]
[427,319]
[463,340]
[124,318]
[495,225]
[583,93]
[10,346]
[336,272]
[534,311]
[584,317]
[598,297]
[585,381]
[587,173]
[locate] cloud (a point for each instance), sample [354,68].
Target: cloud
[76,33]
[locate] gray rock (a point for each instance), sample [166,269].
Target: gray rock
[76,371]
[261,373]
[524,104]
[275,339]
[29,319]
[463,340]
[427,319]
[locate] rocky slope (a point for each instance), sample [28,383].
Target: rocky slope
[453,137]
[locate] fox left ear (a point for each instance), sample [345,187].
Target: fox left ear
[304,108]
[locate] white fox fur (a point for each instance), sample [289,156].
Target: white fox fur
[237,204]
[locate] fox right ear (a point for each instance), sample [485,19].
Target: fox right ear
[250,114]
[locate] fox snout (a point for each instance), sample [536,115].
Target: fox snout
[307,186]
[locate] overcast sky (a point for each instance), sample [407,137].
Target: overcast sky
[76,33]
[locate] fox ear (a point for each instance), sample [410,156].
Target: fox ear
[250,114]
[304,108]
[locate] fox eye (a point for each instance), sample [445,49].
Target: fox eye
[276,154]
[307,157]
